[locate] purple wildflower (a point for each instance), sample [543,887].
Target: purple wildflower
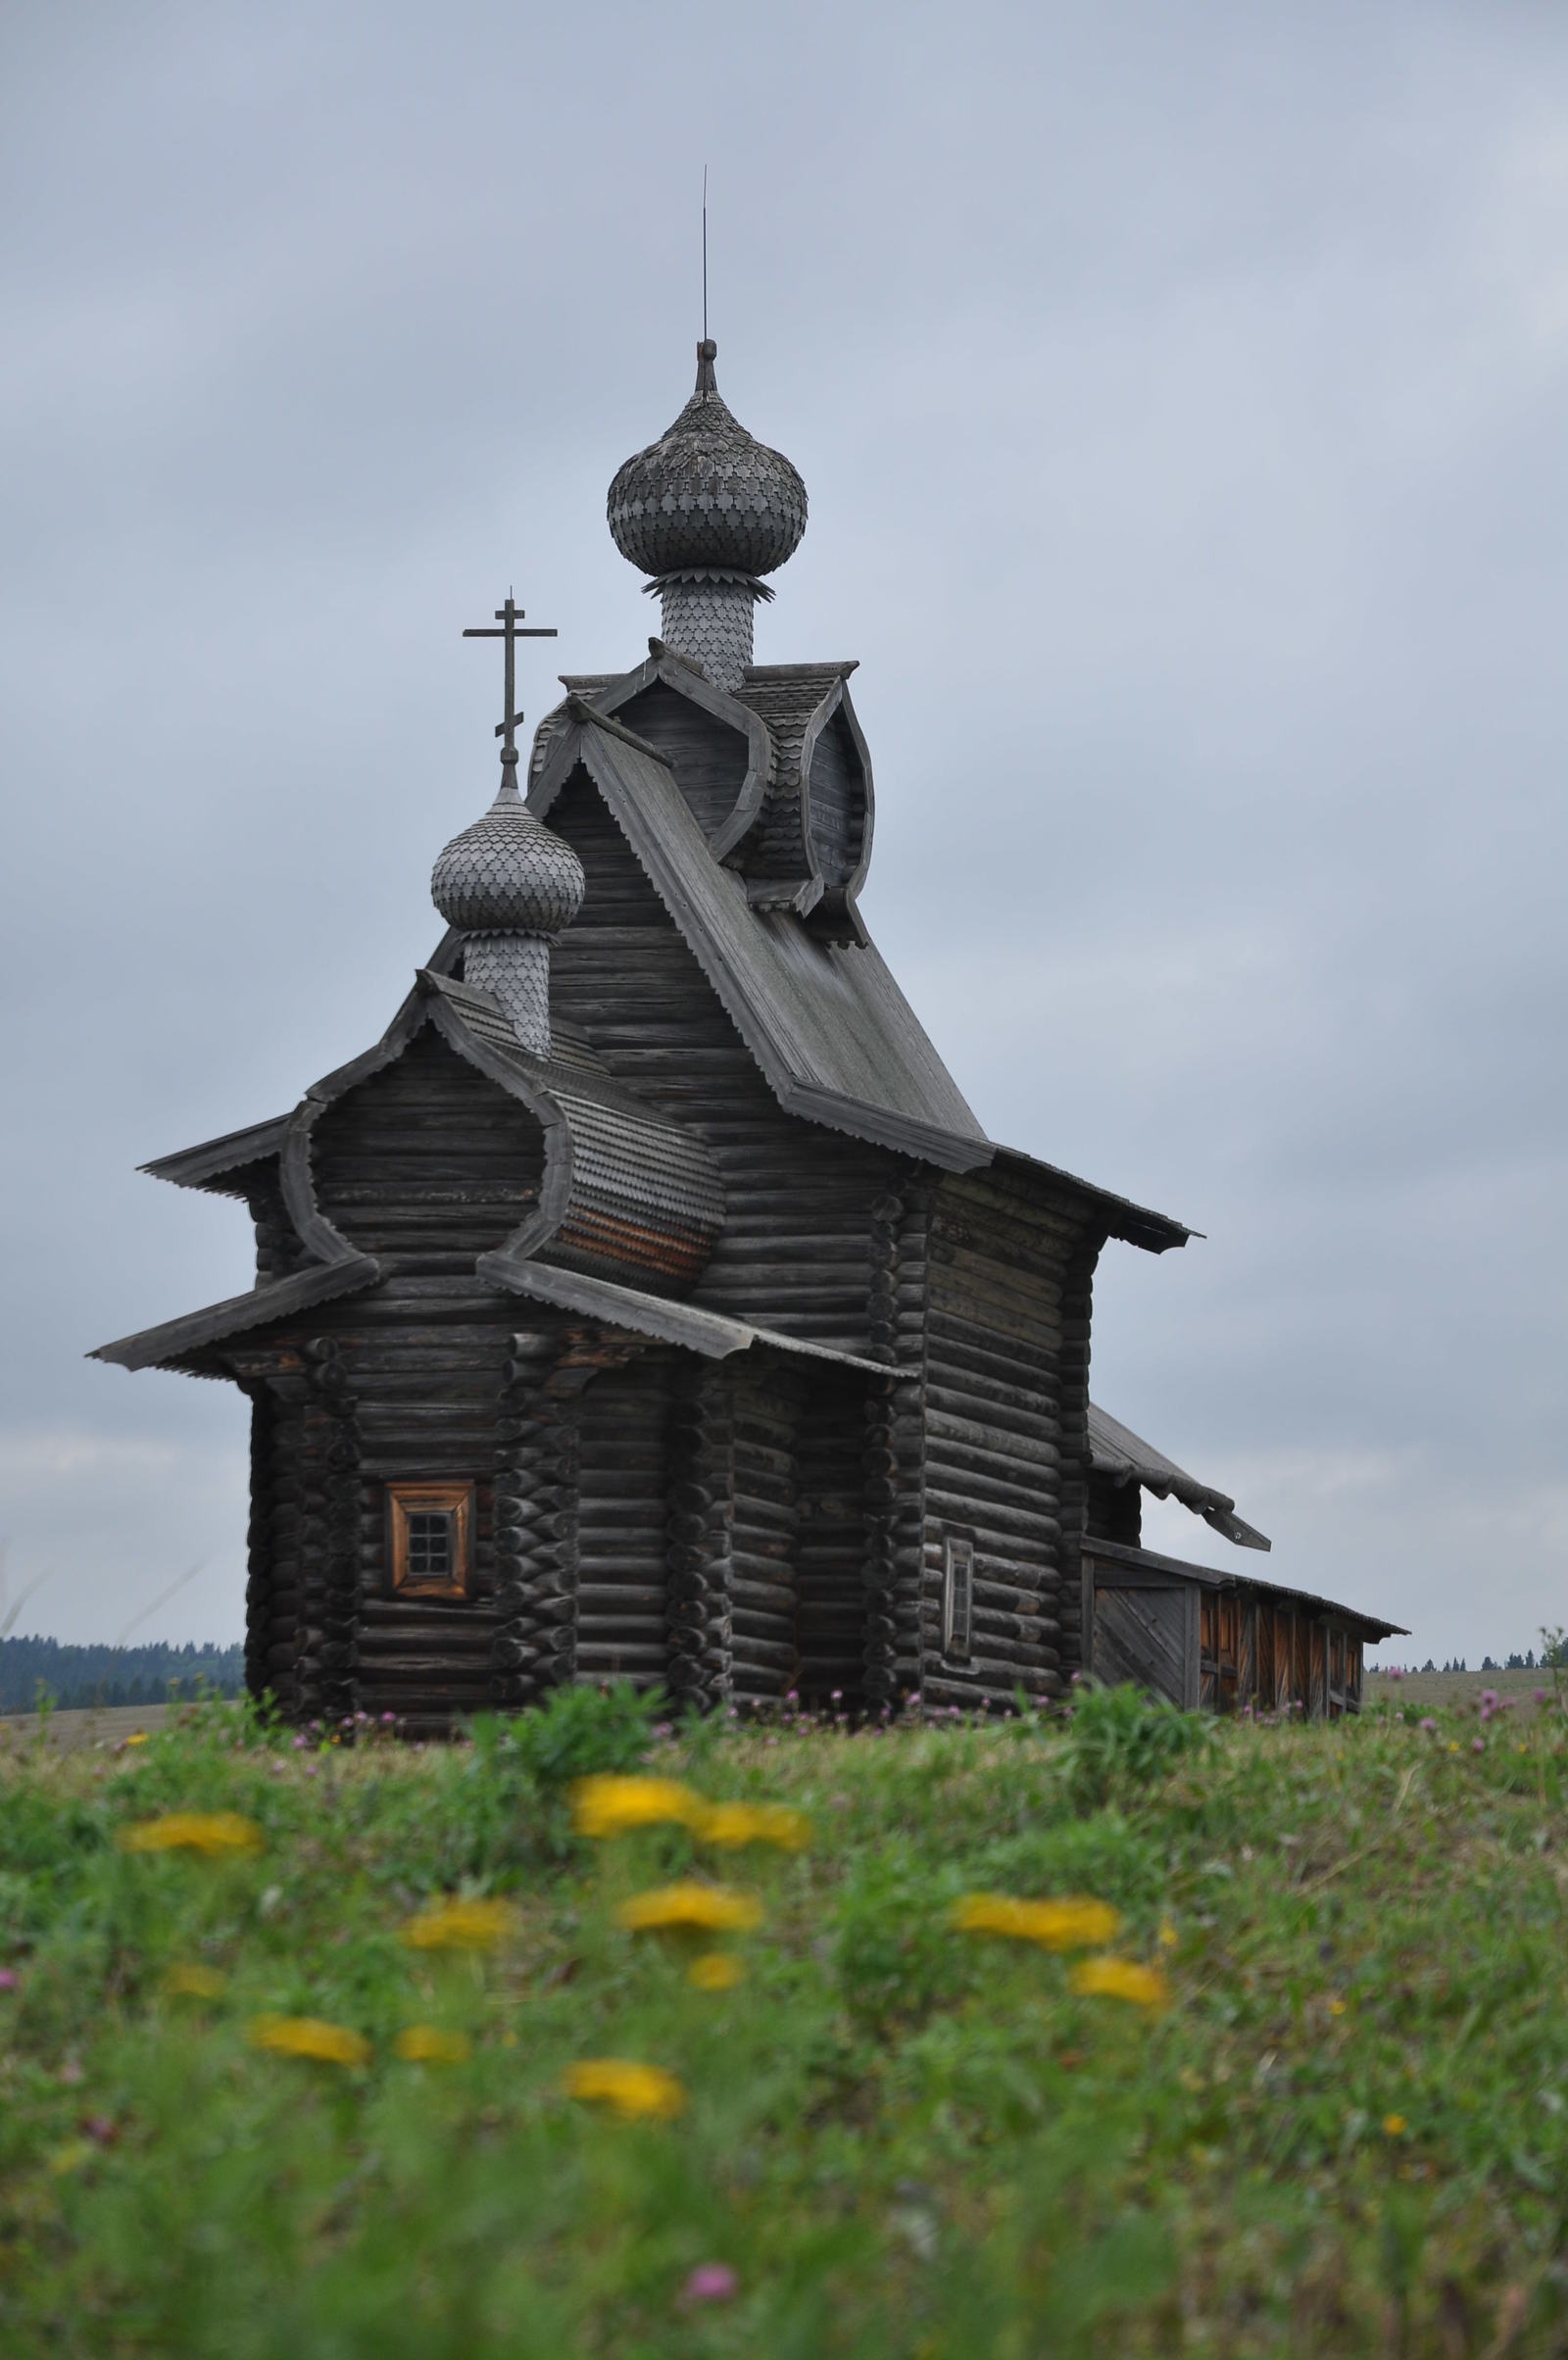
[1478,1744]
[1428,1724]
[711,2282]
[10,1980]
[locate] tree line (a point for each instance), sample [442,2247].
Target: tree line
[73,1677]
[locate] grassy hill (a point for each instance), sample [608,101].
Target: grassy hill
[270,2095]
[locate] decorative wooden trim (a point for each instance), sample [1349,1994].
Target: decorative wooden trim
[453,1499]
[958,1598]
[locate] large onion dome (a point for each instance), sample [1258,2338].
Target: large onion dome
[707,495]
[508,874]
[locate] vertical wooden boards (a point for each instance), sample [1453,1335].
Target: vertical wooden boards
[622,1523]
[1140,1635]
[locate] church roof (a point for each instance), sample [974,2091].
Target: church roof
[1117,1452]
[825,1021]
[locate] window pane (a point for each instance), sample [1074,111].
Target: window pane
[429,1544]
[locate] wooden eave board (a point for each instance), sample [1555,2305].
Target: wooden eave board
[712,1334]
[215,1159]
[157,1346]
[1120,1558]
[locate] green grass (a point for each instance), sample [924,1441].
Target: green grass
[1347,2134]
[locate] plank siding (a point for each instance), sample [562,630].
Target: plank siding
[427,1164]
[708,758]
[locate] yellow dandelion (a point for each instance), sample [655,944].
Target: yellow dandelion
[192,1981]
[211,1832]
[429,2044]
[734,1824]
[310,2037]
[1168,1936]
[610,1806]
[459,1926]
[1069,1925]
[138,1737]
[1453,1744]
[1336,2007]
[1121,1979]
[716,1971]
[626,2089]
[1395,2126]
[696,1908]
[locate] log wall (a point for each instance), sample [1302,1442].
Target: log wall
[796,1252]
[1006,1405]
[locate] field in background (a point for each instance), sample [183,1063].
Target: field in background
[1459,1691]
[103,1725]
[1314,2103]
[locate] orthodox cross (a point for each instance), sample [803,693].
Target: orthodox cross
[510,617]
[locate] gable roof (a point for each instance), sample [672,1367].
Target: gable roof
[829,1028]
[1117,1452]
[625,1189]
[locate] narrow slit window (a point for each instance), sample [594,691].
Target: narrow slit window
[958,1597]
[430,1529]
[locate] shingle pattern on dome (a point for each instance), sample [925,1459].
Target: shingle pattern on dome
[515,969]
[711,622]
[707,494]
[507,874]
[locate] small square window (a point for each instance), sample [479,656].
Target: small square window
[430,1537]
[958,1597]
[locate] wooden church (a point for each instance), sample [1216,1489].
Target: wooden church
[648,1301]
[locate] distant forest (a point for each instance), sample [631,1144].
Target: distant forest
[80,1676]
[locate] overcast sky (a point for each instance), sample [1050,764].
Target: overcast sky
[1179,387]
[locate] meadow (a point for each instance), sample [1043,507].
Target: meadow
[1116,2032]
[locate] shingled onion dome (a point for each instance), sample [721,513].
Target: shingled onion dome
[511,887]
[707,511]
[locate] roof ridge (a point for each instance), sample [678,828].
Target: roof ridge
[589,716]
[832,668]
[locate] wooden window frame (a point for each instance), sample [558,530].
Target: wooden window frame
[958,1598]
[454,1500]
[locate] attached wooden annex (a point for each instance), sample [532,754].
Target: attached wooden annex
[648,1301]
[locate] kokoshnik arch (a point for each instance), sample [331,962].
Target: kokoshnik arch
[648,1301]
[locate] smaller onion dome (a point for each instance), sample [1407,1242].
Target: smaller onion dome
[707,494]
[508,874]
